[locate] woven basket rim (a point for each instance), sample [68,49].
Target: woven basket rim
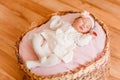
[44,20]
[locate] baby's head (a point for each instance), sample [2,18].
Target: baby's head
[84,23]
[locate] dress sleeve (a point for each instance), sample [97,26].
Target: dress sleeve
[83,39]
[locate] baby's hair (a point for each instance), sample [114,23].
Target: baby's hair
[78,18]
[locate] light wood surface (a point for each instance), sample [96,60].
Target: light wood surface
[17,15]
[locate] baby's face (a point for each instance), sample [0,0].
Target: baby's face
[82,24]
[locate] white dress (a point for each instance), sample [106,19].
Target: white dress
[56,44]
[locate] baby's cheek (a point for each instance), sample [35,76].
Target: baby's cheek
[86,29]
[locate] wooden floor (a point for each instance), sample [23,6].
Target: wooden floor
[17,15]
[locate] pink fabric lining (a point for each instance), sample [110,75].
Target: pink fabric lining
[81,54]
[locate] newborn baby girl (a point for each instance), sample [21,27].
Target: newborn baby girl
[56,44]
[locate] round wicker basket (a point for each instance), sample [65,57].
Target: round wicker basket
[88,72]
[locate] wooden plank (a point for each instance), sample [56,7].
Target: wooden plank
[115,67]
[7,16]
[58,6]
[5,76]
[72,3]
[116,2]
[10,65]
[32,6]
[20,11]
[110,7]
[113,78]
[17,15]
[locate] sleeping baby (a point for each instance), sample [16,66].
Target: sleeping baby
[57,43]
